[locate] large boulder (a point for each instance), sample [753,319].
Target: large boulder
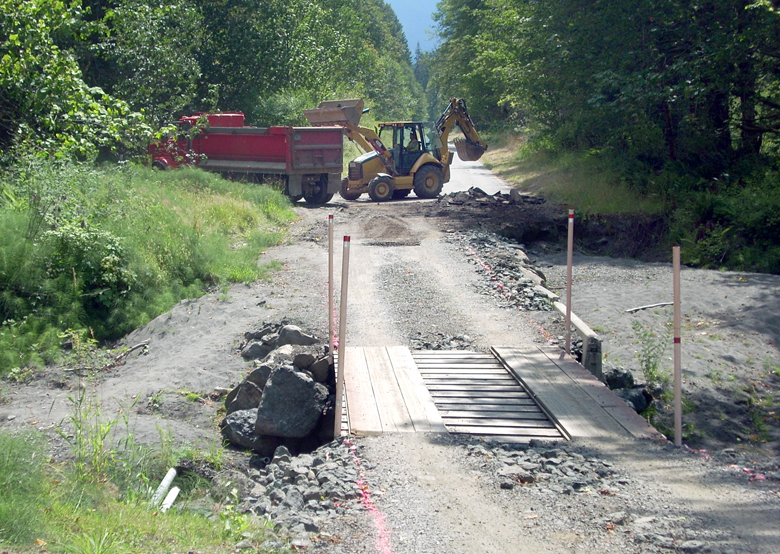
[238,428]
[247,396]
[292,334]
[292,404]
[638,398]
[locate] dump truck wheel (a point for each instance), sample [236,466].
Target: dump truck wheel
[381,189]
[348,194]
[401,193]
[316,193]
[428,182]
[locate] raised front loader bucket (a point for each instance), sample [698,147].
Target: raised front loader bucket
[469,151]
[336,112]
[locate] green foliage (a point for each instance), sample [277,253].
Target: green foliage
[117,247]
[651,350]
[46,108]
[24,488]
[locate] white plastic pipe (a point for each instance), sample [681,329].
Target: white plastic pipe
[163,488]
[169,499]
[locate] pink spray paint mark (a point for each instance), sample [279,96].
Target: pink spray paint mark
[382,532]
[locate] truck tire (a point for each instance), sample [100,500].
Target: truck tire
[428,181]
[159,165]
[401,193]
[316,193]
[348,194]
[381,188]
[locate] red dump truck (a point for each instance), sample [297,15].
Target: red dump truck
[309,160]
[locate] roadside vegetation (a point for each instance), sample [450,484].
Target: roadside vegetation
[102,501]
[658,106]
[89,254]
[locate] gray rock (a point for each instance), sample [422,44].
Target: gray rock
[618,378]
[255,350]
[304,360]
[321,370]
[638,398]
[292,404]
[260,375]
[238,428]
[291,334]
[247,397]
[230,483]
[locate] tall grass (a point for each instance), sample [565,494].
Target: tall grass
[106,250]
[23,488]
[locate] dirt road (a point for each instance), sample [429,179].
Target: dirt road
[412,283]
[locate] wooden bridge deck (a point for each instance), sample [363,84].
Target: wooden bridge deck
[512,395]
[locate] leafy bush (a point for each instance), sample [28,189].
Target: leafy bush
[106,250]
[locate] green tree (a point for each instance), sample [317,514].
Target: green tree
[46,108]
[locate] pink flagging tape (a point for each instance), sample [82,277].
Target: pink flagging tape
[382,532]
[677,340]
[346,239]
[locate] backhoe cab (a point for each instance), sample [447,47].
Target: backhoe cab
[403,156]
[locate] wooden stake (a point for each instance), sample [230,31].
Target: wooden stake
[677,349]
[342,340]
[569,259]
[331,312]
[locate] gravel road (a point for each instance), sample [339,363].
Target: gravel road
[428,275]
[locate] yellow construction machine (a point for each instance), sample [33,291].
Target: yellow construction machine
[417,157]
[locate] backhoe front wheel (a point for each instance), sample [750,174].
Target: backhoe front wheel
[347,194]
[381,188]
[428,182]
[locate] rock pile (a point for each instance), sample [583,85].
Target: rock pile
[607,502]
[509,275]
[475,196]
[296,493]
[287,398]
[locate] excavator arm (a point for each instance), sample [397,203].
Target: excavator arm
[471,147]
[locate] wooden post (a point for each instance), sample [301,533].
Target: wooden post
[677,349]
[342,340]
[569,259]
[331,312]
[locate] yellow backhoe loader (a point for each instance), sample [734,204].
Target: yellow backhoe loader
[418,158]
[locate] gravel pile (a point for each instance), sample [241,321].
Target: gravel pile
[569,489]
[298,493]
[508,274]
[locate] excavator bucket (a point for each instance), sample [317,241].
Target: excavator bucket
[336,113]
[469,151]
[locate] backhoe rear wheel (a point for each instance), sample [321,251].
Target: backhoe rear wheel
[428,181]
[348,194]
[381,188]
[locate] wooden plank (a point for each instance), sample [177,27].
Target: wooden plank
[480,430]
[422,411]
[503,423]
[497,395]
[389,400]
[444,403]
[475,389]
[363,413]
[451,370]
[478,414]
[469,376]
[561,397]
